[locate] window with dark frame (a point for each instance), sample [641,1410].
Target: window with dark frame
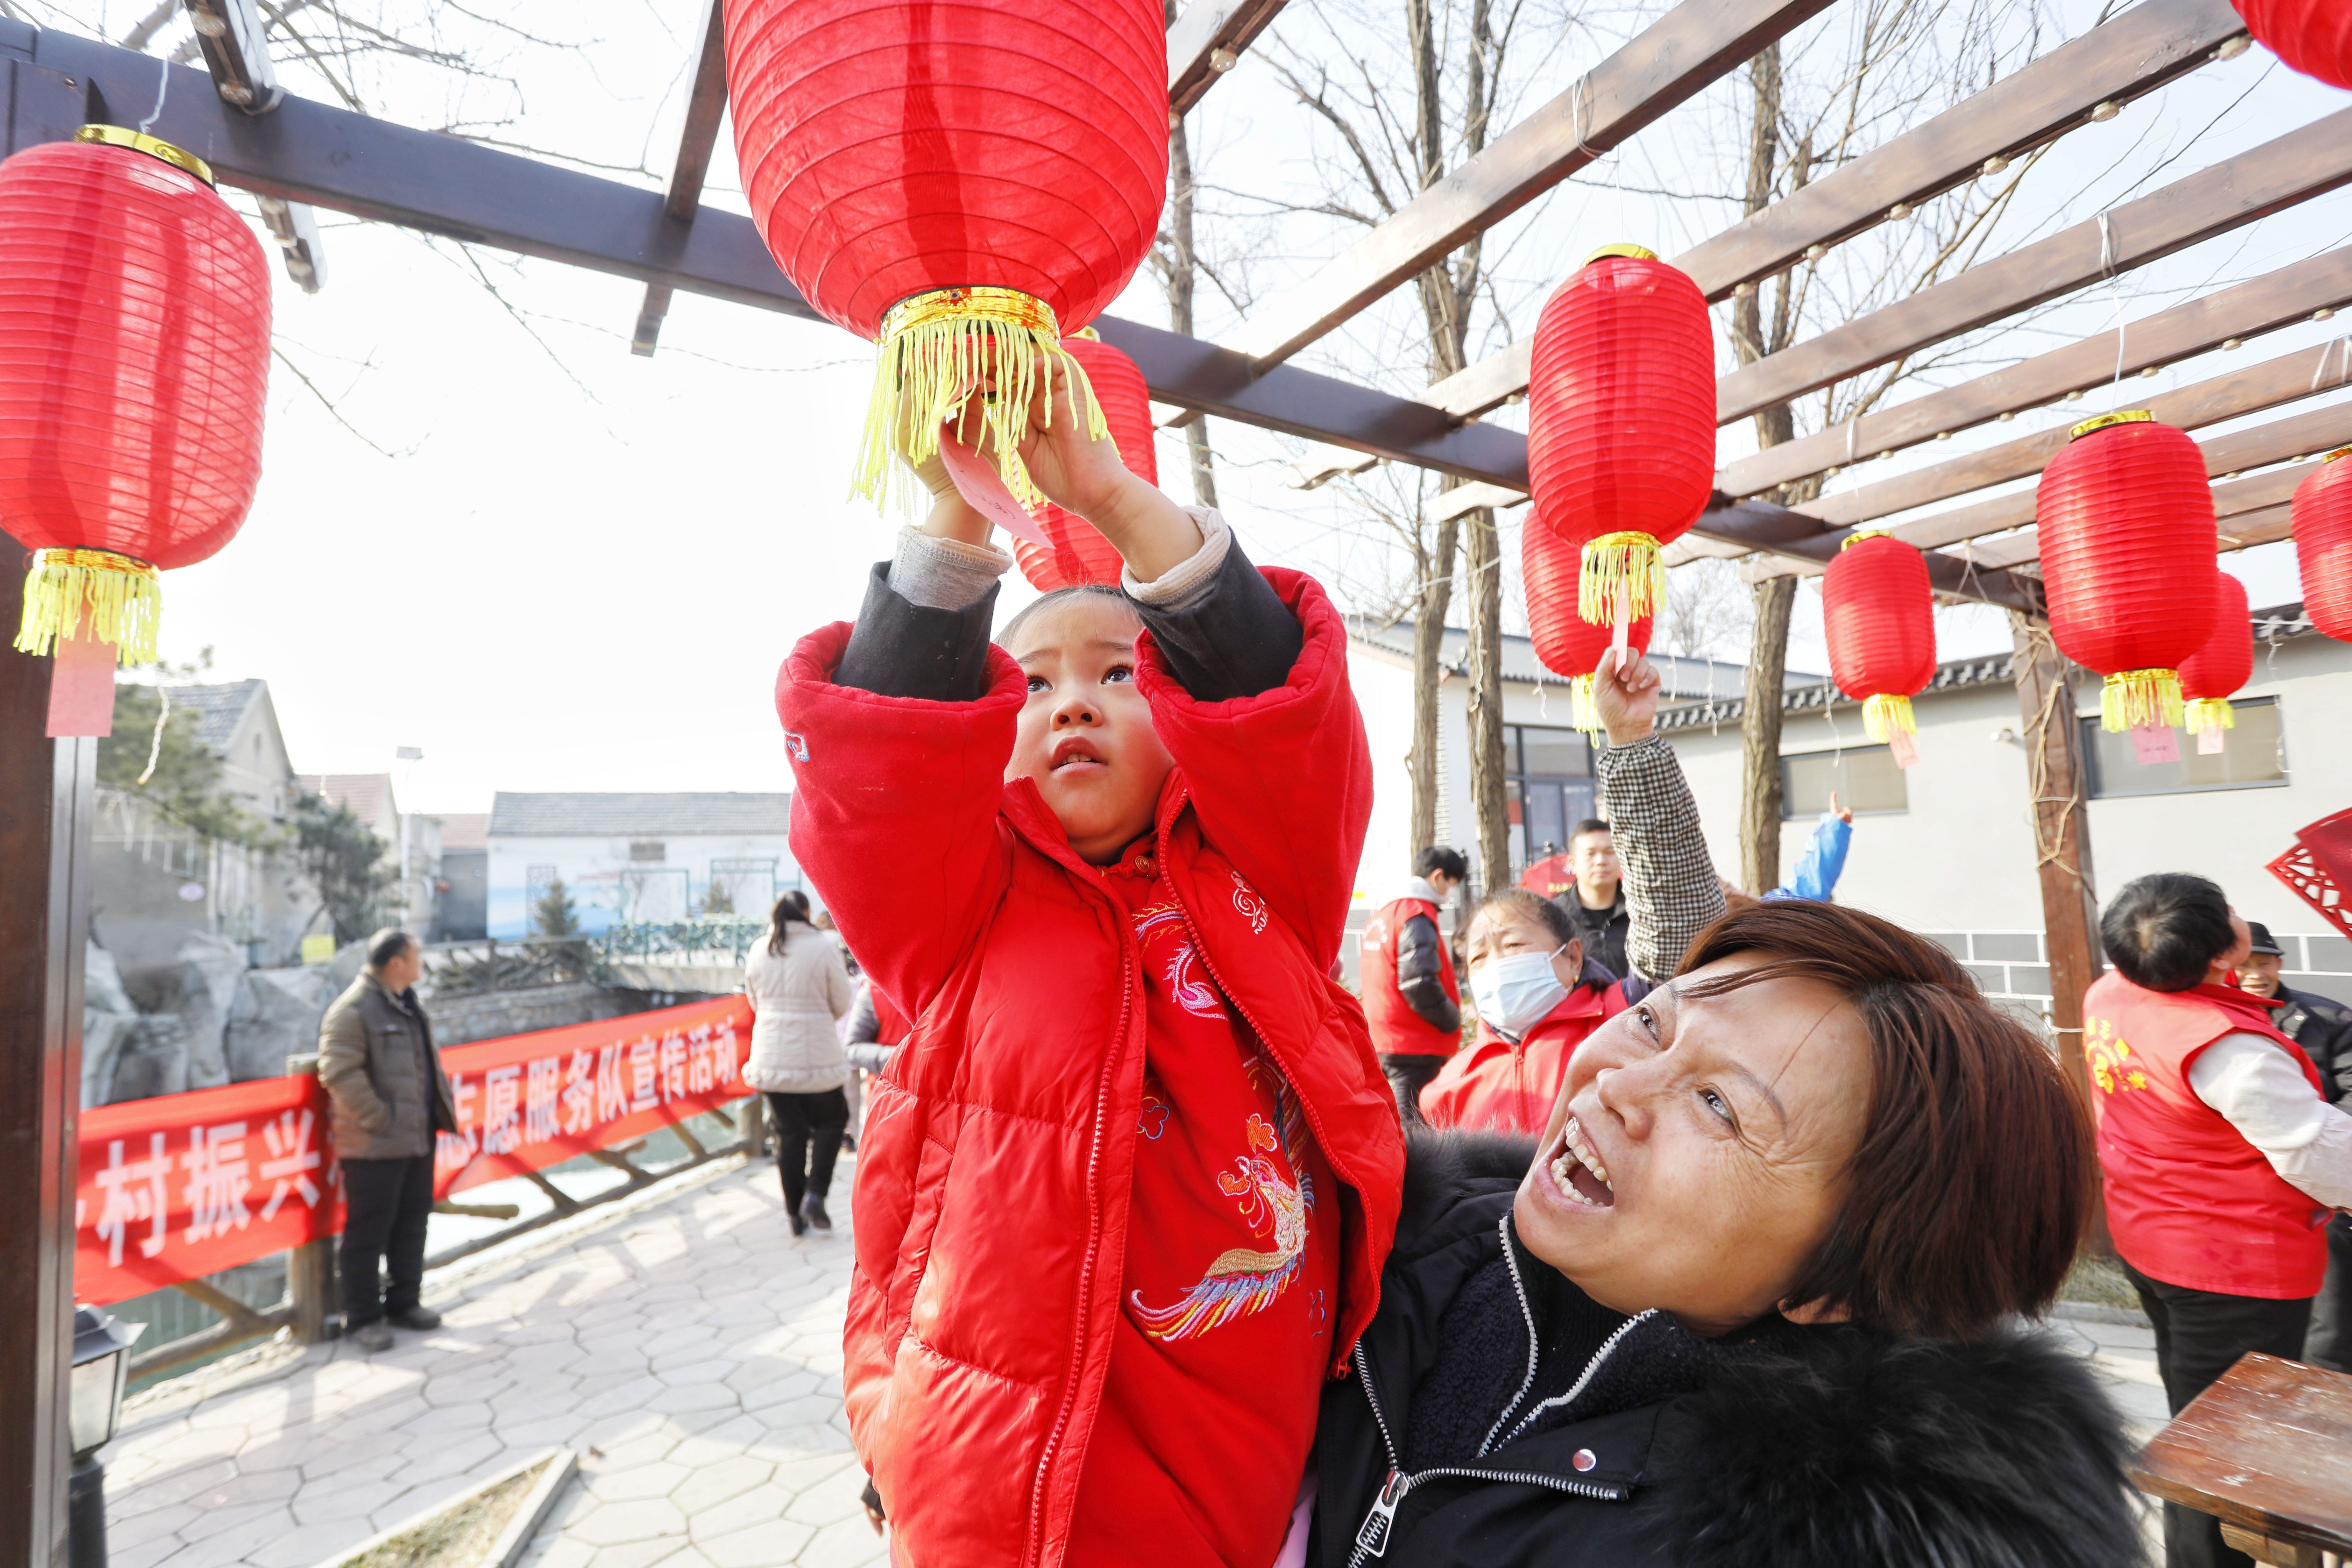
[1863,778]
[2252,756]
[1548,788]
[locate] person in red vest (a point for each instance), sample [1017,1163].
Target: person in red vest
[2222,1157]
[1411,1003]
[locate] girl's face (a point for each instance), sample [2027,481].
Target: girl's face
[1085,735]
[1698,1153]
[1499,930]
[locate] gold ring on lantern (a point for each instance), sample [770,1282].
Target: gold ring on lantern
[2339,452]
[2120,416]
[2140,699]
[1636,252]
[120,595]
[179,158]
[934,348]
[1859,534]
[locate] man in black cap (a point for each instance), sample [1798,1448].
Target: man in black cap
[2324,1029]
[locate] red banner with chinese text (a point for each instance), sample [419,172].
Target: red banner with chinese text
[188,1184]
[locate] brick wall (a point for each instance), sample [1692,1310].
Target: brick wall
[2014,972]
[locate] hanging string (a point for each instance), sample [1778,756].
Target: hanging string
[163,90]
[2115,288]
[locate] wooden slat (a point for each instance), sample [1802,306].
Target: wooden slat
[2249,390]
[2301,165]
[1204,28]
[1761,525]
[706,106]
[1679,56]
[2139,51]
[2262,1448]
[2276,299]
[2246,513]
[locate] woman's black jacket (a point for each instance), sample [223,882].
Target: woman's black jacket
[1781,1447]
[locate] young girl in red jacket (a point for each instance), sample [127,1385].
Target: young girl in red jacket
[1123,1199]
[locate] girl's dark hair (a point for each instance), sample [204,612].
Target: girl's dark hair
[1972,1188]
[1059,595]
[2164,931]
[792,906]
[1537,908]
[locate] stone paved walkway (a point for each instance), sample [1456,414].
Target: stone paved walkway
[683,1343]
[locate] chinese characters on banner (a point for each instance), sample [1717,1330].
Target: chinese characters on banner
[187,1184]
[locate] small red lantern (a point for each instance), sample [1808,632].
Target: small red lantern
[134,368]
[1620,423]
[2315,37]
[1080,552]
[1565,641]
[1879,614]
[2322,512]
[2212,675]
[2128,542]
[963,183]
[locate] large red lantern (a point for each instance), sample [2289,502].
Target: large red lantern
[1079,552]
[2321,514]
[2315,37]
[2127,541]
[2212,675]
[134,366]
[962,184]
[1620,423]
[1879,615]
[1565,641]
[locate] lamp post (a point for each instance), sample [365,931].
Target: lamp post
[102,1362]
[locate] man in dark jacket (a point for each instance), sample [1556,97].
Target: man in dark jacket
[2324,1029]
[1597,900]
[389,1099]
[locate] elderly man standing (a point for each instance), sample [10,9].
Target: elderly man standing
[390,1097]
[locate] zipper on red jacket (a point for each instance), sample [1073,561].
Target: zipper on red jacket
[1035,1553]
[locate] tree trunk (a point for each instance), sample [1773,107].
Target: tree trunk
[1436,595]
[1759,732]
[1482,568]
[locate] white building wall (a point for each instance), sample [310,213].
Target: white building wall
[591,870]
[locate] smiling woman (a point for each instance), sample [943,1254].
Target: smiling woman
[1753,1297]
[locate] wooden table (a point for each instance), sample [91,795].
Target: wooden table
[2267,1449]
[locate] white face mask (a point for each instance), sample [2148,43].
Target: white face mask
[1515,992]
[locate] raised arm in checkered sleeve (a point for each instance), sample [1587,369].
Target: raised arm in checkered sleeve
[1671,890]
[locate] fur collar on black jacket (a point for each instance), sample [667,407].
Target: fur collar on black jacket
[1826,1447]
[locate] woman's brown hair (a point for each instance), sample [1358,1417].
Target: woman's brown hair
[1971,1189]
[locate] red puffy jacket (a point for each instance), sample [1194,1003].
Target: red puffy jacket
[1499,1087]
[993,1185]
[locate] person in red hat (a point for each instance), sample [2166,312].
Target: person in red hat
[2223,1159]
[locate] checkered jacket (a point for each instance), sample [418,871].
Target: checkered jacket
[1670,888]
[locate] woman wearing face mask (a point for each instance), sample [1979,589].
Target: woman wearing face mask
[1537,997]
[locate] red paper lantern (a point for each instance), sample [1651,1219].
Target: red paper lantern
[2128,542]
[1080,552]
[1565,641]
[2212,675]
[963,183]
[1879,614]
[134,366]
[2321,514]
[1621,422]
[2315,37]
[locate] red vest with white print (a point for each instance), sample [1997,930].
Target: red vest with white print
[1397,1029]
[2190,1201]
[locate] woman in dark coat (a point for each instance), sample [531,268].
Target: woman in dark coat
[1752,1300]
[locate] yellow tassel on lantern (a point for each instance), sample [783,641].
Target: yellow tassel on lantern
[2211,713]
[1584,713]
[2140,699]
[1617,564]
[122,597]
[1885,715]
[935,348]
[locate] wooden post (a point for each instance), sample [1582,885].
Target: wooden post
[2058,781]
[310,1267]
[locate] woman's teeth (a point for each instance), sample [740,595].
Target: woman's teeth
[1575,1153]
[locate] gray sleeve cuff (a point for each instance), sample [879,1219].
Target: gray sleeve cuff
[944,574]
[1182,588]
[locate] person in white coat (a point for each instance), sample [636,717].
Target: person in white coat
[799,985]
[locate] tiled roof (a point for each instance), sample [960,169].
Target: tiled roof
[218,709]
[1699,677]
[515,815]
[465,830]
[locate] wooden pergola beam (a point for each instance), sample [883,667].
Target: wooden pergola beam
[1762,526]
[2247,310]
[2305,163]
[1674,60]
[2134,54]
[705,107]
[2247,390]
[1203,42]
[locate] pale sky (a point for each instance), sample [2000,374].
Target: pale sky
[578,569]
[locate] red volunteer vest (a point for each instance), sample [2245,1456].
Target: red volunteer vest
[1397,1029]
[2190,1202]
